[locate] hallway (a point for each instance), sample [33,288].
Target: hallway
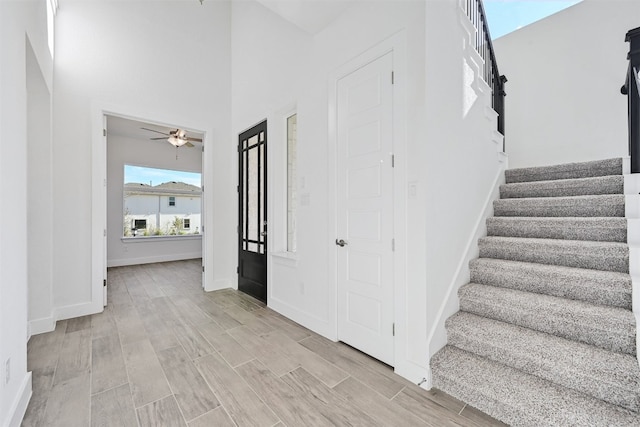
[165,353]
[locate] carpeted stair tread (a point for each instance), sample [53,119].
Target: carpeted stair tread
[606,256]
[517,398]
[613,184]
[611,328]
[612,377]
[593,286]
[577,228]
[565,171]
[610,205]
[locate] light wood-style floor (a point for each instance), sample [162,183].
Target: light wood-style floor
[165,353]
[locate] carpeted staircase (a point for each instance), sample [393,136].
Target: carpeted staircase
[545,335]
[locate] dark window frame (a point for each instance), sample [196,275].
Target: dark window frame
[135,224]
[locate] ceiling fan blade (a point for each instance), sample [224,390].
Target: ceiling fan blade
[156,131]
[194,139]
[163,138]
[188,144]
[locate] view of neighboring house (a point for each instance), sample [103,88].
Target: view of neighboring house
[171,208]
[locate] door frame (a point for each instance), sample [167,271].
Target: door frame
[396,44]
[99,111]
[264,199]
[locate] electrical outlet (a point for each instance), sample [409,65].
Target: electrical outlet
[7,371]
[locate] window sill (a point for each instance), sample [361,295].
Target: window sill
[289,259]
[139,239]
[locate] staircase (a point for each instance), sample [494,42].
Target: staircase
[545,335]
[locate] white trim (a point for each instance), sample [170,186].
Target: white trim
[632,206]
[632,214]
[397,44]
[153,259]
[147,239]
[99,192]
[223,284]
[438,335]
[626,165]
[291,256]
[419,375]
[78,310]
[313,323]
[41,326]
[19,405]
[633,232]
[631,183]
[277,181]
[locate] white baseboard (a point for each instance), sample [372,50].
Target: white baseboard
[626,165]
[438,334]
[153,259]
[319,326]
[220,284]
[77,310]
[418,375]
[19,406]
[41,326]
[632,184]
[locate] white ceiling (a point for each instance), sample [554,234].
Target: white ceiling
[133,129]
[311,16]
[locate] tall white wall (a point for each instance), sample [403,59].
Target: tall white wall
[19,20]
[155,154]
[563,99]
[450,161]
[166,61]
[39,224]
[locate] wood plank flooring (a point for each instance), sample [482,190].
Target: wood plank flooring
[165,353]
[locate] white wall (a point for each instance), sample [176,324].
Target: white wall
[39,198]
[164,62]
[458,164]
[19,20]
[156,154]
[563,99]
[450,160]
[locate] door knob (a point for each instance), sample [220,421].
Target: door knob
[341,242]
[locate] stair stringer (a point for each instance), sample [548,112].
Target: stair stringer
[478,89]
[632,213]
[437,338]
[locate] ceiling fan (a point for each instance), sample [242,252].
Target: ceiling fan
[177,137]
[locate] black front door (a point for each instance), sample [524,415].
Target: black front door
[252,218]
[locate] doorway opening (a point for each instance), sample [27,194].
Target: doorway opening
[154,196]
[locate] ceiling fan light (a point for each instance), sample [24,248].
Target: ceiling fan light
[175,141]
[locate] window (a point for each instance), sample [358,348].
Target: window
[140,224]
[52,8]
[150,205]
[292,140]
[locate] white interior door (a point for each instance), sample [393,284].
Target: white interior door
[365,209]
